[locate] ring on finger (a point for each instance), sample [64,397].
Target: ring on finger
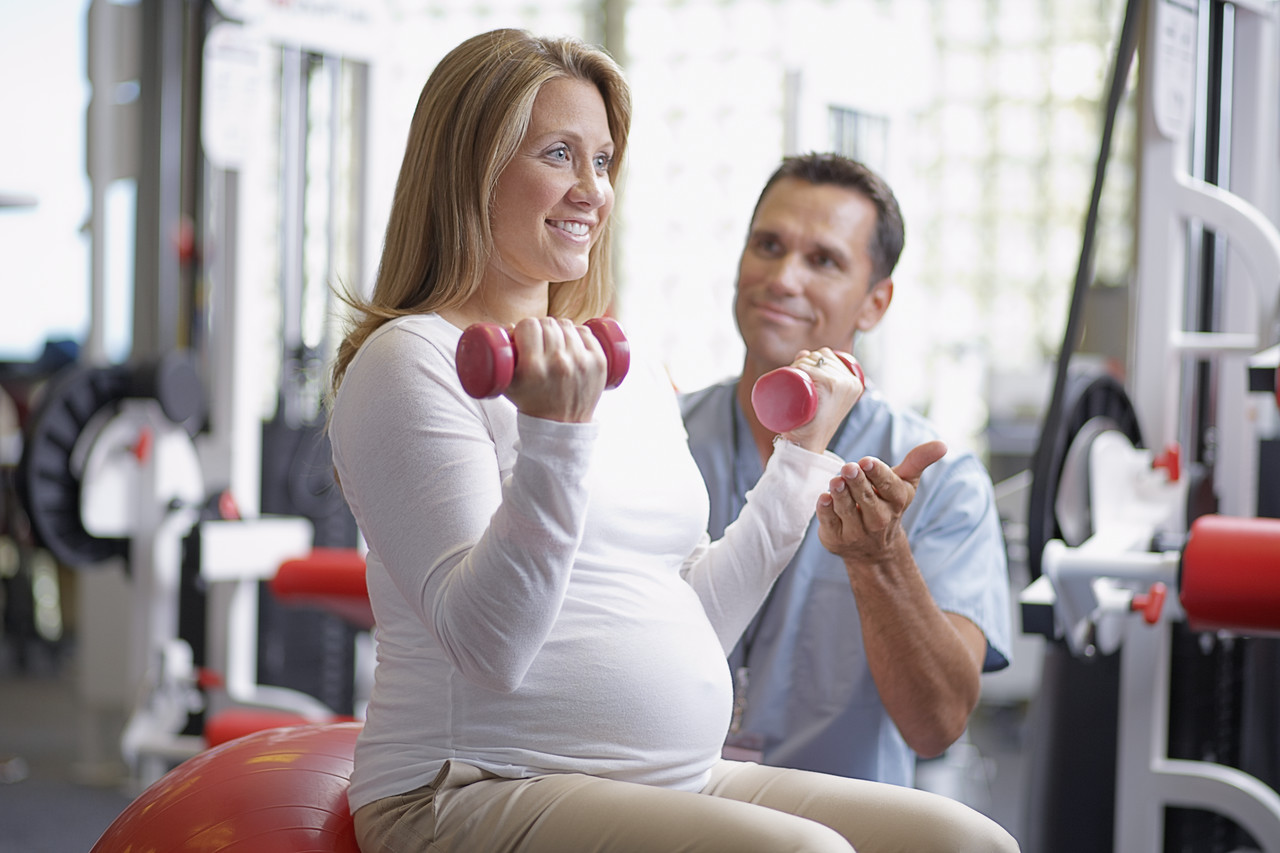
[820,362]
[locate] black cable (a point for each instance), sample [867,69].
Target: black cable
[1043,460]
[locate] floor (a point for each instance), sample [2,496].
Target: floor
[48,802]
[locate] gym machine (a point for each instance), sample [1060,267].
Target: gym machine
[1155,577]
[180,481]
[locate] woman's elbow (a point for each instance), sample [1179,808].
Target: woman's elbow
[499,679]
[496,672]
[500,682]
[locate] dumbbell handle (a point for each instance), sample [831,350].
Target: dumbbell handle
[785,399]
[486,356]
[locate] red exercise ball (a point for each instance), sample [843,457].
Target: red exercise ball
[282,790]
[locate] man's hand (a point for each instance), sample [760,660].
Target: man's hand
[860,517]
[927,664]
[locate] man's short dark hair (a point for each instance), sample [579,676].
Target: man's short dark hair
[823,168]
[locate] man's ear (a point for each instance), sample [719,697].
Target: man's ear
[874,304]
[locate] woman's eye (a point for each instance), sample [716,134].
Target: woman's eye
[603,161]
[559,154]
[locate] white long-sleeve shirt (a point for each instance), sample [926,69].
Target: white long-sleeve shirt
[545,593]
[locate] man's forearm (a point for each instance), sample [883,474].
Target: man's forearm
[927,664]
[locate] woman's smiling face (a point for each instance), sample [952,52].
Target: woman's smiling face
[553,199]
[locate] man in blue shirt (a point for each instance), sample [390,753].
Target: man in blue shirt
[869,650]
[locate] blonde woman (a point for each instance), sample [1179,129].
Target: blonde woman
[552,621]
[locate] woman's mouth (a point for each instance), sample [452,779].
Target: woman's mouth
[576,229]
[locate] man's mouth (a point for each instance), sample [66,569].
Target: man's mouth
[775,312]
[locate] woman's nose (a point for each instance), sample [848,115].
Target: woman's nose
[590,189]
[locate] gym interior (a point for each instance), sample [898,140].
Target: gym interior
[1089,299]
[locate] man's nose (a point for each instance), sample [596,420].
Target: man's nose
[786,275]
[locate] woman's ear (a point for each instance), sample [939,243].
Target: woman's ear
[874,304]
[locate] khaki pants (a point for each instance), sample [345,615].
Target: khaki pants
[745,808]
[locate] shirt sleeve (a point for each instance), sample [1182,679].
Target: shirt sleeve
[958,543]
[733,575]
[483,560]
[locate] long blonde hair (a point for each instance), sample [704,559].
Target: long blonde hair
[471,117]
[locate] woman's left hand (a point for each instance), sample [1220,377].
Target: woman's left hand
[838,388]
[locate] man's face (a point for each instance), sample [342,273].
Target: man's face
[804,280]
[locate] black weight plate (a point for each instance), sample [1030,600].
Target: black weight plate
[47,487]
[1090,393]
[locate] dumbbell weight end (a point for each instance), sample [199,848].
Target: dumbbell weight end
[486,360]
[617,349]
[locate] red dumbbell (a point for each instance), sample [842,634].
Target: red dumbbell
[785,398]
[487,356]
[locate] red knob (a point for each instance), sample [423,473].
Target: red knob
[1169,459]
[142,448]
[209,679]
[486,356]
[785,398]
[228,509]
[1150,603]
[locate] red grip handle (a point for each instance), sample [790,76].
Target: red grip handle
[1230,574]
[486,356]
[785,399]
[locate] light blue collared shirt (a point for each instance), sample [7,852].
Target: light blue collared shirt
[810,696]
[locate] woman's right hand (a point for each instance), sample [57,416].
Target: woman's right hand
[561,370]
